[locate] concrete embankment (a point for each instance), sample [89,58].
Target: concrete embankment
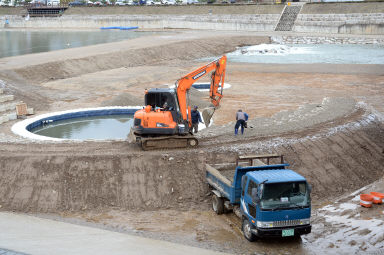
[339,18]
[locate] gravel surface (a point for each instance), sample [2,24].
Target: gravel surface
[285,121]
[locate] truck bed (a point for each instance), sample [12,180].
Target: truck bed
[222,177]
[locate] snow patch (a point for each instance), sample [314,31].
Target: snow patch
[271,50]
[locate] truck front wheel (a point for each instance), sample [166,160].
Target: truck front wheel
[218,204]
[247,230]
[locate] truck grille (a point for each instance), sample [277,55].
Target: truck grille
[285,223]
[137,122]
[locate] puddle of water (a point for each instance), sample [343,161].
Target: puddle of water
[313,53]
[97,127]
[13,43]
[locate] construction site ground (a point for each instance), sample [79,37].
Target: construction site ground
[327,120]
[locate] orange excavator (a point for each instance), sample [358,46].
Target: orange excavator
[165,121]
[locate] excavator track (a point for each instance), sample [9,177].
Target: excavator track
[168,142]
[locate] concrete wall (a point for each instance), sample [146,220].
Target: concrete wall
[177,10]
[343,8]
[335,18]
[352,23]
[259,22]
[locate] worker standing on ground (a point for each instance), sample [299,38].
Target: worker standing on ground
[196,119]
[241,118]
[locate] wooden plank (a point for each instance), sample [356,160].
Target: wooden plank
[21,109]
[218,175]
[259,156]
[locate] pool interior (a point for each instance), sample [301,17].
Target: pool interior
[85,128]
[20,42]
[93,124]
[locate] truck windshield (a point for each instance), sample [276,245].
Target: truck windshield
[285,196]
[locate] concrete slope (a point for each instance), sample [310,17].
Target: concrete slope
[32,235]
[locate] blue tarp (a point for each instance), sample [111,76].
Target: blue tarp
[121,28]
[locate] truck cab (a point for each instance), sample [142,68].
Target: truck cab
[271,200]
[275,202]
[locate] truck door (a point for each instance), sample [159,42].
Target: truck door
[248,200]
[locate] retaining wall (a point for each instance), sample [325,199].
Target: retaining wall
[313,18]
[258,22]
[352,23]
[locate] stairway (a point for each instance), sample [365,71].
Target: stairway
[7,107]
[287,19]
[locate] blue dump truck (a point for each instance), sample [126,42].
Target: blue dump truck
[270,199]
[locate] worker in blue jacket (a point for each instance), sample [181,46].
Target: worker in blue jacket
[241,118]
[196,118]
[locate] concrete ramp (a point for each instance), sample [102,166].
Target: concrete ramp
[22,234]
[288,18]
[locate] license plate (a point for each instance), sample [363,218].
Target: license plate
[288,232]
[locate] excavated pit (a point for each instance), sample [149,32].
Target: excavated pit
[326,119]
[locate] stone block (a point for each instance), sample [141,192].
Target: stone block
[6,98]
[12,116]
[30,111]
[3,118]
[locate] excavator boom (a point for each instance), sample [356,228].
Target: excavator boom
[217,80]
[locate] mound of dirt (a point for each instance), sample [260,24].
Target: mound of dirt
[136,52]
[86,176]
[124,99]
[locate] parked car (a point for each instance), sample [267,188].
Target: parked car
[121,2]
[53,3]
[77,3]
[153,2]
[37,3]
[5,4]
[168,2]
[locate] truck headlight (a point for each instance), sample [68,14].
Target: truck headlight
[264,224]
[305,221]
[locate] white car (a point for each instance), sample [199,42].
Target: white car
[53,3]
[168,2]
[121,2]
[152,2]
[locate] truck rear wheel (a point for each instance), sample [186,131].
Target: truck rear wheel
[217,204]
[247,230]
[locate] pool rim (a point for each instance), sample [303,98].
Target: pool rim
[22,128]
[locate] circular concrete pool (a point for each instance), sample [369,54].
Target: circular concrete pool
[104,123]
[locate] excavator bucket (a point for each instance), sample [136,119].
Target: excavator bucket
[131,137]
[207,115]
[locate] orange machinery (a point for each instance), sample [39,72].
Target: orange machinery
[157,126]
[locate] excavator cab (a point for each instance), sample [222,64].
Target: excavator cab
[158,97]
[165,100]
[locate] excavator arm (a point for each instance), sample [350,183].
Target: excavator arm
[217,79]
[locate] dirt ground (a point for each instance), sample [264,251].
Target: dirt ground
[326,119]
